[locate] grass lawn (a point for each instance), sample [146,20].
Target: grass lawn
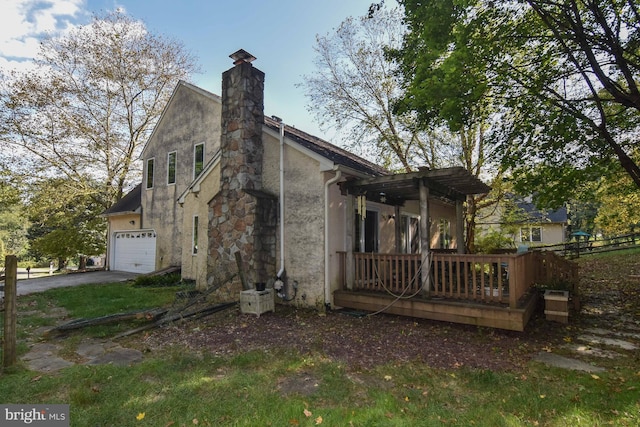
[179,387]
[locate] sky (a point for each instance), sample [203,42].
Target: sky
[279,33]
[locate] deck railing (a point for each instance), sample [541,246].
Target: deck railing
[504,278]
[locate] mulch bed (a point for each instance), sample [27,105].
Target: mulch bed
[608,295]
[361,342]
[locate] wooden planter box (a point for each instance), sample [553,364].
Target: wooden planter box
[256,302]
[556,305]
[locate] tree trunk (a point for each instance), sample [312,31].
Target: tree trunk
[470,219]
[627,162]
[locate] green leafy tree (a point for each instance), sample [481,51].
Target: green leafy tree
[90,106]
[65,223]
[582,210]
[448,89]
[619,211]
[561,78]
[13,220]
[357,88]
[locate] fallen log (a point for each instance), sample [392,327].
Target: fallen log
[178,316]
[148,314]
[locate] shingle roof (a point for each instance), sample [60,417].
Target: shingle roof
[536,215]
[130,203]
[328,150]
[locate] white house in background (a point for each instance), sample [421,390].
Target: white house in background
[529,225]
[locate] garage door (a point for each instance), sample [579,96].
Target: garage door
[135,251]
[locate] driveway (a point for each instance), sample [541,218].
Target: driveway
[39,284]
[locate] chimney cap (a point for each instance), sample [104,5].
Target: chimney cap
[242,56]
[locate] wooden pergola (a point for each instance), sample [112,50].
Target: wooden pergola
[451,184]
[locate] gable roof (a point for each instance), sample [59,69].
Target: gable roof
[535,215]
[451,182]
[179,85]
[130,203]
[327,150]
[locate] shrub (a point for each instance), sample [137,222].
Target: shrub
[171,279]
[492,242]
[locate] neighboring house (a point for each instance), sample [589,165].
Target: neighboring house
[221,179]
[526,224]
[544,227]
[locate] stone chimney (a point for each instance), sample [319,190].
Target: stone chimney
[240,215]
[242,121]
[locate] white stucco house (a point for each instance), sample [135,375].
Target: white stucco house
[221,179]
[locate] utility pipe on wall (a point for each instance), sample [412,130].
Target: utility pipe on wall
[327,282]
[281,271]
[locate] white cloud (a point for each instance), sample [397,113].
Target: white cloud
[23,23]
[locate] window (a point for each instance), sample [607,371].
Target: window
[198,159]
[194,248]
[367,232]
[171,168]
[150,167]
[444,231]
[531,234]
[410,234]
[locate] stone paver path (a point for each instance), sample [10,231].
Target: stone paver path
[45,357]
[611,337]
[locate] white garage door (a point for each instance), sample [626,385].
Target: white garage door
[135,251]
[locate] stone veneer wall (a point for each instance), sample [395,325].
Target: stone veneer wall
[241,216]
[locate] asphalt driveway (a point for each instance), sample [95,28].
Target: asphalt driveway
[39,284]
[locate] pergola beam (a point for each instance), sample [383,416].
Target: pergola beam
[454,184]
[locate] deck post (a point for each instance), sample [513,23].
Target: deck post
[349,231]
[425,236]
[460,242]
[398,229]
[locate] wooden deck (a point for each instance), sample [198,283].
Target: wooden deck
[486,290]
[448,310]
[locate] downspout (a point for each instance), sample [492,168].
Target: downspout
[327,283]
[281,271]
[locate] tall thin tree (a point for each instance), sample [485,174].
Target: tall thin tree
[86,112]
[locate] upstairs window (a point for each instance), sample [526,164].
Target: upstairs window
[198,159]
[531,234]
[150,167]
[171,168]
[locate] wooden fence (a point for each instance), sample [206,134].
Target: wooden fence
[577,248]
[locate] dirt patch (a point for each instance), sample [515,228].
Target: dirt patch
[360,342]
[611,302]
[302,383]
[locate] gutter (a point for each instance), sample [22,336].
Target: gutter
[327,282]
